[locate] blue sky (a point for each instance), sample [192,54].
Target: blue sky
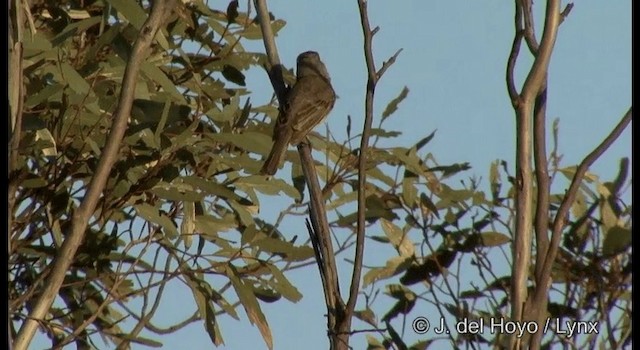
[453,62]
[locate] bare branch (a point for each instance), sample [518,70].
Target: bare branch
[275,67]
[529,27]
[565,13]
[541,220]
[109,155]
[321,236]
[372,80]
[387,64]
[542,177]
[538,71]
[513,57]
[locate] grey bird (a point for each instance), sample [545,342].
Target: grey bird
[308,104]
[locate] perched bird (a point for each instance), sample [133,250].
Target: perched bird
[308,104]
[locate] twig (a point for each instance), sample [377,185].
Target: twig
[565,13]
[513,57]
[529,27]
[387,64]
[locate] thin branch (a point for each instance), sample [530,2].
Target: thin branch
[364,141]
[109,155]
[529,27]
[538,71]
[317,210]
[542,177]
[315,243]
[541,221]
[565,13]
[387,64]
[321,234]
[372,78]
[16,101]
[275,67]
[513,57]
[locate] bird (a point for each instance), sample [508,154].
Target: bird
[307,104]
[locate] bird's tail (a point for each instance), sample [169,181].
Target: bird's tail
[276,156]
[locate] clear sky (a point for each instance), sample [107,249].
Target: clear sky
[453,62]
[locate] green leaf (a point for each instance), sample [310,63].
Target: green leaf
[75,28]
[188,225]
[409,191]
[34,181]
[228,113]
[569,173]
[245,216]
[399,239]
[484,239]
[251,141]
[45,94]
[609,218]
[424,141]
[278,246]
[617,240]
[393,104]
[131,11]
[367,315]
[211,188]
[153,215]
[253,31]
[427,206]
[74,80]
[232,74]
[205,309]
[250,304]
[374,344]
[173,193]
[267,186]
[384,133]
[282,285]
[393,266]
[406,300]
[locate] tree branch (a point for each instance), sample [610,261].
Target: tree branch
[109,155]
[538,71]
[529,27]
[542,177]
[513,57]
[534,311]
[319,225]
[274,68]
[322,238]
[533,85]
[372,78]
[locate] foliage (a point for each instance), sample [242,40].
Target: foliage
[591,279]
[182,203]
